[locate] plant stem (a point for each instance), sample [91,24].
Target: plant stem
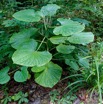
[56,54]
[98,83]
[44,37]
[45,24]
[13,71]
[41,43]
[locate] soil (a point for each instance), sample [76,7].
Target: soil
[40,95]
[37,94]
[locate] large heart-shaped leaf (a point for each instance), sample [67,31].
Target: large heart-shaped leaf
[65,49]
[31,58]
[27,15]
[68,29]
[4,77]
[21,76]
[50,76]
[49,10]
[18,38]
[81,38]
[58,39]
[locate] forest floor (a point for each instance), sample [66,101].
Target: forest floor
[41,95]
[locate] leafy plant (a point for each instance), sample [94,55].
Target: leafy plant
[6,99]
[66,99]
[91,73]
[53,96]
[20,97]
[96,65]
[51,40]
[30,53]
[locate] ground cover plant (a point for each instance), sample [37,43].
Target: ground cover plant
[40,43]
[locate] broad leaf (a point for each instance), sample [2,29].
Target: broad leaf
[17,39]
[31,58]
[58,39]
[14,22]
[4,77]
[81,38]
[29,44]
[27,15]
[68,29]
[84,21]
[21,76]
[50,76]
[38,69]
[65,49]
[49,10]
[65,21]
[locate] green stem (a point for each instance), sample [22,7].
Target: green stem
[56,54]
[45,25]
[52,48]
[98,83]
[41,43]
[44,37]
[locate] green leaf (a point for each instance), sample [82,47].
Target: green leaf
[65,49]
[84,21]
[4,77]
[65,21]
[27,15]
[49,10]
[82,38]
[69,28]
[14,22]
[21,76]
[50,76]
[58,39]
[8,23]
[83,62]
[72,64]
[31,58]
[38,69]
[29,44]
[17,39]
[16,97]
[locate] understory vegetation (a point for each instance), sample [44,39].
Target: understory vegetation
[48,42]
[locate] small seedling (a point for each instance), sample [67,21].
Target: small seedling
[20,97]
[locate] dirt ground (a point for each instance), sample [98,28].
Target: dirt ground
[40,95]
